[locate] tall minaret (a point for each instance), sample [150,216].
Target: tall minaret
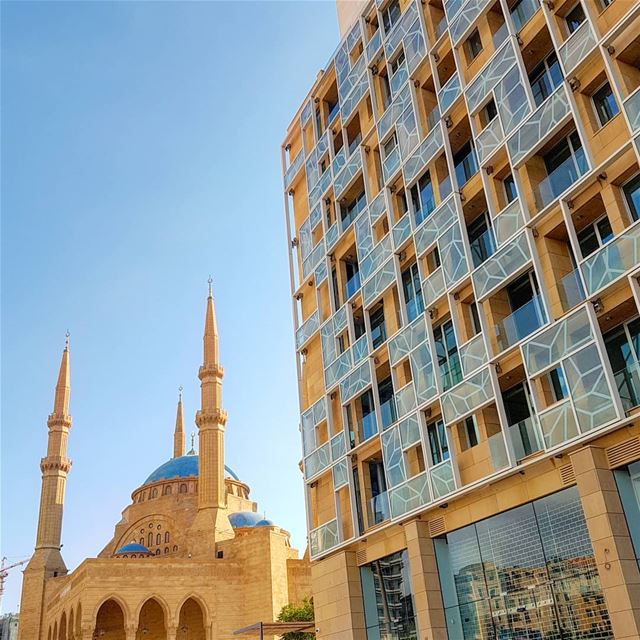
[211,522]
[47,561]
[178,434]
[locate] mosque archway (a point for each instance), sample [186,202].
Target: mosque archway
[70,634]
[191,621]
[151,621]
[110,621]
[79,621]
[62,629]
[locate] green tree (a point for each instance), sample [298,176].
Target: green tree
[302,612]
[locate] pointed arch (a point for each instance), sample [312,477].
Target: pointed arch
[110,610]
[55,630]
[153,619]
[62,629]
[70,625]
[203,605]
[79,621]
[191,620]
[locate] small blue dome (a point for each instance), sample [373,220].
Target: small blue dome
[266,523]
[181,467]
[132,547]
[245,519]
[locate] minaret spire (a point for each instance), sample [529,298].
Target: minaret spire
[47,561]
[178,434]
[211,523]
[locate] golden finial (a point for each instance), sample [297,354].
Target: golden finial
[180,393]
[210,281]
[66,340]
[193,449]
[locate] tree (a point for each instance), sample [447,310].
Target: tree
[302,612]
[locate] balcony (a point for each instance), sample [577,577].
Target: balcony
[628,384]
[323,538]
[525,438]
[483,247]
[523,12]
[466,168]
[571,290]
[378,510]
[378,335]
[367,426]
[577,47]
[632,108]
[560,179]
[521,323]
[388,412]
[352,286]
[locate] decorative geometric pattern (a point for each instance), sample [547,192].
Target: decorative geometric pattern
[348,174]
[333,233]
[353,99]
[433,286]
[589,390]
[360,349]
[376,257]
[377,207]
[355,382]
[315,217]
[373,46]
[306,114]
[511,100]
[340,320]
[423,373]
[467,16]
[451,248]
[407,132]
[407,339]
[577,46]
[405,400]
[429,231]
[632,108]
[338,369]
[379,282]
[410,495]
[401,232]
[393,457]
[558,424]
[323,538]
[338,446]
[425,152]
[489,139]
[502,264]
[328,343]
[340,474]
[452,7]
[307,329]
[314,258]
[557,341]
[339,160]
[352,78]
[321,272]
[488,77]
[467,396]
[364,237]
[409,429]
[393,112]
[508,222]
[414,46]
[473,354]
[318,461]
[306,239]
[320,189]
[398,79]
[400,29]
[449,93]
[547,117]
[612,261]
[391,165]
[442,479]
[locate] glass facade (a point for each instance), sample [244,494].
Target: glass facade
[388,599]
[525,573]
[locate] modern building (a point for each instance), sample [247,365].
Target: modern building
[462,194]
[192,558]
[9,626]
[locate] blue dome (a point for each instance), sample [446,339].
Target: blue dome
[132,547]
[245,519]
[181,467]
[266,523]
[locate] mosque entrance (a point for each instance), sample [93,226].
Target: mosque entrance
[110,622]
[191,621]
[151,623]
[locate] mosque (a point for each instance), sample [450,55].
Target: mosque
[192,557]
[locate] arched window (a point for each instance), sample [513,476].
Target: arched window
[154,493]
[142,541]
[166,549]
[158,539]
[166,537]
[175,547]
[167,490]
[157,552]
[183,488]
[150,540]
[142,497]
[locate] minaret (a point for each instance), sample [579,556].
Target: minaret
[211,522]
[178,434]
[47,561]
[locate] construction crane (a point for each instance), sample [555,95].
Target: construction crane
[4,572]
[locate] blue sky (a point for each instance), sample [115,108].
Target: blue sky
[140,153]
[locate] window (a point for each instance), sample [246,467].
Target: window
[150,540]
[422,198]
[527,313]
[488,113]
[353,278]
[438,446]
[465,163]
[378,330]
[605,3]
[468,432]
[481,239]
[388,599]
[575,18]
[545,78]
[510,188]
[154,493]
[387,402]
[391,15]
[158,539]
[605,103]
[447,352]
[475,318]
[385,90]
[350,211]
[378,501]
[628,482]
[557,384]
[623,348]
[473,45]
[632,195]
[565,163]
[394,65]
[389,146]
[166,536]
[594,236]
[183,488]
[412,292]
[521,11]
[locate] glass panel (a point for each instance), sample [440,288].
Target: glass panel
[508,222]
[632,107]
[558,424]
[627,381]
[525,438]
[467,396]
[576,48]
[410,495]
[571,290]
[522,322]
[442,479]
[323,538]
[523,11]
[473,354]
[449,93]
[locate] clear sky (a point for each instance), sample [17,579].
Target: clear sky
[141,153]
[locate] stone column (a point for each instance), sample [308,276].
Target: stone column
[612,546]
[337,598]
[425,583]
[130,632]
[172,633]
